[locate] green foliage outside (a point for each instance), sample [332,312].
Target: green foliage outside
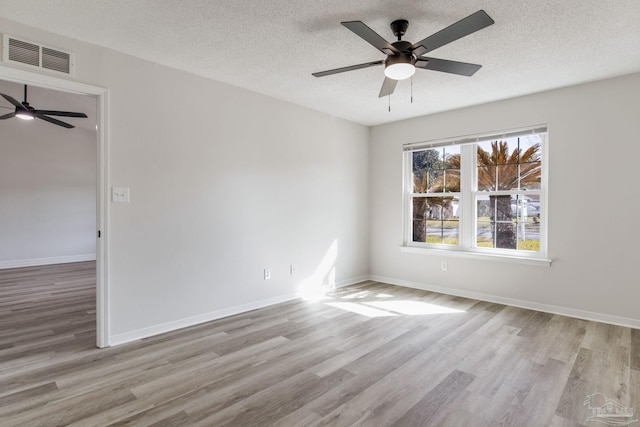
[446,241]
[483,224]
[526,245]
[499,168]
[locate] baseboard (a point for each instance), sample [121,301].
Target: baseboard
[195,320]
[46,261]
[208,317]
[547,308]
[352,281]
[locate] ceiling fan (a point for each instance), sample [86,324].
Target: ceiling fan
[403,57]
[27,112]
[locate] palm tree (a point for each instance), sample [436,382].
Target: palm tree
[438,177]
[497,170]
[500,170]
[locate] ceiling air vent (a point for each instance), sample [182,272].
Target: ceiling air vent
[21,52]
[56,60]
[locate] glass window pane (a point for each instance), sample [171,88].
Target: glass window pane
[484,234]
[528,223]
[529,143]
[442,224]
[496,222]
[436,181]
[529,235]
[426,159]
[484,224]
[507,177]
[533,205]
[509,164]
[426,167]
[499,152]
[452,180]
[421,183]
[419,210]
[451,157]
[436,170]
[486,178]
[530,175]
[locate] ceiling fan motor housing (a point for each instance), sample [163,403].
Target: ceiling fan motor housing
[403,57]
[400,58]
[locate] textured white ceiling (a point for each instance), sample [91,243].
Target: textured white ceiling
[273,46]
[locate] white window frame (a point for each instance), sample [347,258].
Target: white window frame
[468,195]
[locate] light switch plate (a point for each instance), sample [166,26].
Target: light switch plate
[120,194]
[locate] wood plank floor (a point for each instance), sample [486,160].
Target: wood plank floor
[368,355]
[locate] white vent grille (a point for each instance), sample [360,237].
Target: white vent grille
[56,60]
[16,51]
[23,52]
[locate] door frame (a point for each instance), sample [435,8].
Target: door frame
[102,206]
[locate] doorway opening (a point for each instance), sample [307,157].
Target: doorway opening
[58,88]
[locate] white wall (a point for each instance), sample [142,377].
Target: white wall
[593,228]
[224,183]
[47,193]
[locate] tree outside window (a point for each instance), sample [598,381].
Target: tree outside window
[504,187]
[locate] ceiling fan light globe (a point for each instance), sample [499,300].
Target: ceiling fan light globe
[24,115]
[399,71]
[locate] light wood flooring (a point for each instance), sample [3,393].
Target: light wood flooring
[369,355]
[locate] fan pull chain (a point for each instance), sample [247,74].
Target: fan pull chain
[389,96]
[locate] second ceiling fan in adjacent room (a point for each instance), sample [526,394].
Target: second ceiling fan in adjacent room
[23,110]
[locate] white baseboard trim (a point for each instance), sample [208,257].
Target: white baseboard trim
[547,308]
[352,281]
[195,320]
[208,317]
[17,263]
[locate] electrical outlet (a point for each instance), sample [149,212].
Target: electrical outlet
[444,266]
[267,274]
[292,269]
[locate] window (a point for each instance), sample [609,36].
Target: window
[482,194]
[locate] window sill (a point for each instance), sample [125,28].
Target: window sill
[541,262]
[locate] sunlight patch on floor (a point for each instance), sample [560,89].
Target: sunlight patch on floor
[412,308]
[361,309]
[393,308]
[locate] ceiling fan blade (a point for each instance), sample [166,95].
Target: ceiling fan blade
[370,36]
[444,65]
[350,68]
[464,27]
[61,113]
[54,121]
[7,116]
[388,86]
[12,100]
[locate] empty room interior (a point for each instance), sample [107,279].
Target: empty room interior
[381,213]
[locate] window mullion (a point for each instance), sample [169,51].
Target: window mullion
[407,196]
[467,185]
